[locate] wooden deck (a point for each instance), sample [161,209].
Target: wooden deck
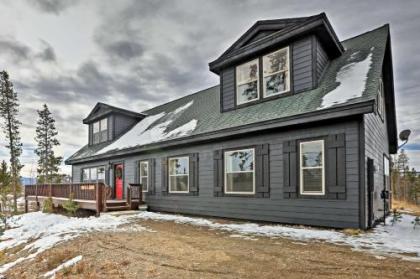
[91,196]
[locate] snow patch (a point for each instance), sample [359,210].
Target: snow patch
[388,240]
[143,133]
[39,232]
[67,264]
[352,81]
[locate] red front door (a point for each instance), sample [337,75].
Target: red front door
[118,174]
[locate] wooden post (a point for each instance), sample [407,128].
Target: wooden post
[50,190]
[26,204]
[98,199]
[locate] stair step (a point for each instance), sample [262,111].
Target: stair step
[117,207]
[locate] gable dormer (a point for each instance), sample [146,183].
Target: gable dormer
[275,58]
[107,122]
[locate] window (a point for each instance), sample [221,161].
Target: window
[312,174]
[179,175]
[240,171]
[93,174]
[144,175]
[100,131]
[247,83]
[276,78]
[381,99]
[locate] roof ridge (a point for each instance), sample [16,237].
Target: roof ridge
[183,97]
[386,25]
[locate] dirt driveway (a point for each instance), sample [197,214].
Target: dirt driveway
[170,250]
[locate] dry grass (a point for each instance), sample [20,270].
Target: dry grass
[406,207]
[56,258]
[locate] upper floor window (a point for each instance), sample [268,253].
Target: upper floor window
[144,175]
[381,99]
[240,172]
[276,78]
[179,172]
[312,171]
[247,82]
[93,174]
[100,131]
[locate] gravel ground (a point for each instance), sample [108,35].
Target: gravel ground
[169,250]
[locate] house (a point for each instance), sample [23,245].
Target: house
[299,131]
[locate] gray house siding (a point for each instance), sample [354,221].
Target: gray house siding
[275,208]
[302,60]
[376,146]
[322,59]
[122,123]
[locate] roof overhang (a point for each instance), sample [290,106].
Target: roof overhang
[326,115]
[102,110]
[240,51]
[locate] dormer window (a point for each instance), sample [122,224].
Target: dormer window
[100,131]
[276,72]
[275,77]
[247,82]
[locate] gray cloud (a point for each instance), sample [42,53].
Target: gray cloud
[17,51]
[52,6]
[48,54]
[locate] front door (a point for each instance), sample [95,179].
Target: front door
[118,181]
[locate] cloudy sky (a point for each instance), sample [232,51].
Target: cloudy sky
[137,54]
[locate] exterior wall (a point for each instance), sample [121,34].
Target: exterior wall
[322,59]
[302,60]
[376,146]
[122,123]
[320,212]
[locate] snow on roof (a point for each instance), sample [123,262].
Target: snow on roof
[352,81]
[154,128]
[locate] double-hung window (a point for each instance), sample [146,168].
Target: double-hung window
[312,168]
[93,174]
[276,78]
[144,175]
[100,131]
[179,172]
[247,82]
[240,171]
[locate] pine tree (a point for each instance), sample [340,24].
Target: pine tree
[9,109]
[5,190]
[46,137]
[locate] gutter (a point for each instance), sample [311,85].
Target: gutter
[314,116]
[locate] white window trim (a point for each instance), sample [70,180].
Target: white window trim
[187,175]
[226,173]
[301,168]
[287,70]
[89,169]
[237,84]
[144,176]
[99,133]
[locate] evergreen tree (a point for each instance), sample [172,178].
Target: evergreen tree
[46,137]
[9,109]
[5,190]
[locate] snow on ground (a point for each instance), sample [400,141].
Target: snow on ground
[38,232]
[389,240]
[144,132]
[67,264]
[352,81]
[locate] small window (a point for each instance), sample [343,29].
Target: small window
[93,174]
[381,99]
[240,171]
[312,171]
[144,175]
[276,78]
[100,131]
[247,83]
[179,175]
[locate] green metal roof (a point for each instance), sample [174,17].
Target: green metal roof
[206,103]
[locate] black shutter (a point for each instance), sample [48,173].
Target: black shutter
[262,168]
[164,171]
[218,173]
[90,134]
[290,175]
[193,177]
[336,166]
[137,172]
[152,177]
